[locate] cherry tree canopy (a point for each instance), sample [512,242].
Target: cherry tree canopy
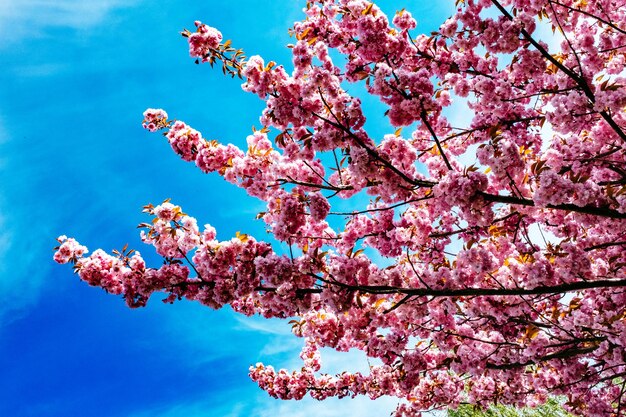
[478,264]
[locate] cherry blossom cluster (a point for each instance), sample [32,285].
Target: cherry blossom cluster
[203,41]
[478,263]
[68,250]
[154,119]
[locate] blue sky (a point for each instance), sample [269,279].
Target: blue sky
[76,77]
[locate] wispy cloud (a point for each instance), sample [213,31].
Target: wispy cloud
[277,333]
[252,339]
[261,405]
[4,242]
[258,324]
[360,406]
[207,335]
[33,18]
[243,336]
[207,408]
[4,135]
[15,257]
[22,253]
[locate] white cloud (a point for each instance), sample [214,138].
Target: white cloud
[281,340]
[39,70]
[33,18]
[258,339]
[262,325]
[4,241]
[21,275]
[16,290]
[272,342]
[193,409]
[261,405]
[360,406]
[4,135]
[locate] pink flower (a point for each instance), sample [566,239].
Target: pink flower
[69,250]
[154,119]
[203,41]
[167,211]
[318,206]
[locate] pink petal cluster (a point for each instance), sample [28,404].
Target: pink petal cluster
[68,250]
[154,119]
[203,41]
[319,206]
[184,140]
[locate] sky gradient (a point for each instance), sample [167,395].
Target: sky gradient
[74,160]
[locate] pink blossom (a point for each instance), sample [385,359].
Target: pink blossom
[69,250]
[203,40]
[154,119]
[318,206]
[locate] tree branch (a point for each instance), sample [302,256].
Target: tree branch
[567,71]
[464,292]
[596,211]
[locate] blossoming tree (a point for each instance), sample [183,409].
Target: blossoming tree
[501,272]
